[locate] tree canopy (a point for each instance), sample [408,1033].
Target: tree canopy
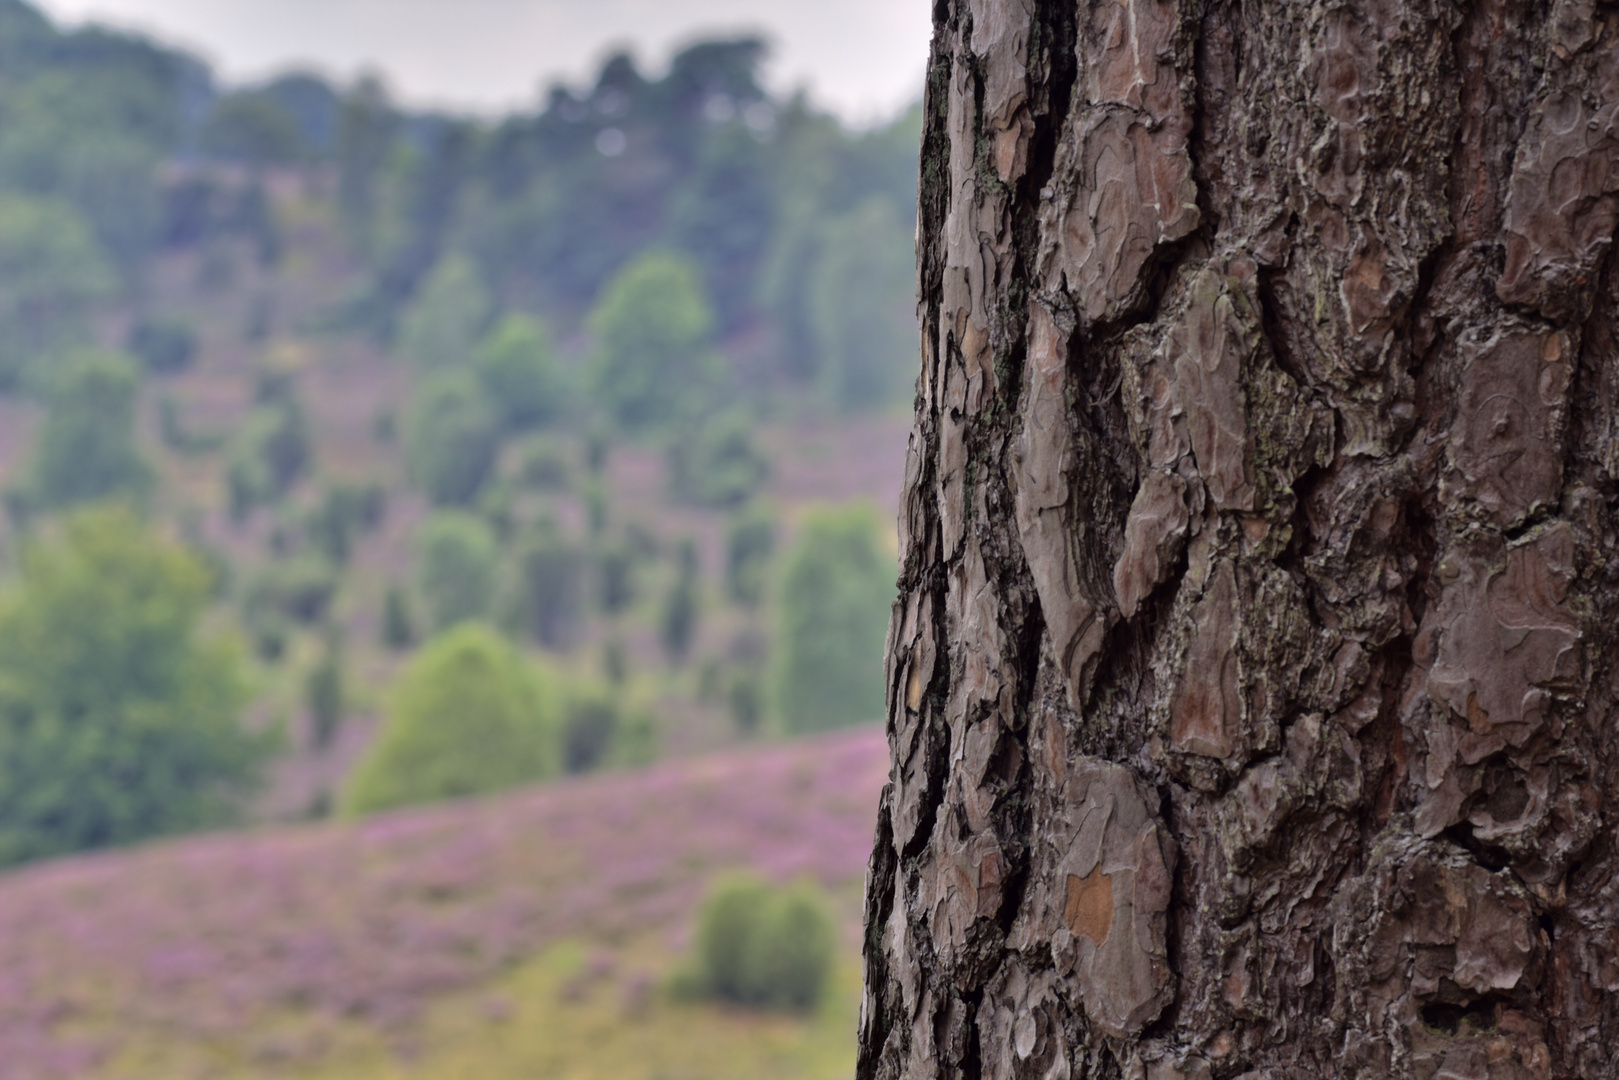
[118,719]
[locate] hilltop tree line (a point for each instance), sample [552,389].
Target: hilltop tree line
[650,262]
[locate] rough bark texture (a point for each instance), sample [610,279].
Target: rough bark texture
[1252,685]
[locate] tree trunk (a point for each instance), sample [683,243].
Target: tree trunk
[1252,689]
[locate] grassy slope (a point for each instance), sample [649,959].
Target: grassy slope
[517,936]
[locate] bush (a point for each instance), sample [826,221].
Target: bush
[398,626]
[451,439]
[836,592]
[543,465]
[345,512]
[654,363]
[271,453]
[163,344]
[590,728]
[87,449]
[551,598]
[764,946]
[443,324]
[750,540]
[717,464]
[467,716]
[323,693]
[456,559]
[299,589]
[678,622]
[119,716]
[519,370]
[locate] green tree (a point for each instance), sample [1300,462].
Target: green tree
[550,603]
[677,623]
[765,946]
[456,559]
[366,127]
[163,343]
[325,695]
[836,591]
[750,541]
[270,453]
[87,449]
[716,462]
[452,437]
[446,320]
[118,718]
[467,716]
[52,274]
[654,363]
[398,626]
[862,296]
[253,128]
[519,370]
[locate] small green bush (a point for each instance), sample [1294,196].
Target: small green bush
[299,589]
[163,344]
[467,716]
[452,438]
[456,559]
[519,370]
[765,946]
[398,625]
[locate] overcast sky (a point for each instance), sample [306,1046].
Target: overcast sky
[863,58]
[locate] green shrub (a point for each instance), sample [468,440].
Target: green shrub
[467,716]
[163,344]
[298,589]
[520,372]
[87,449]
[442,325]
[325,697]
[654,363]
[590,728]
[272,452]
[346,511]
[765,946]
[456,559]
[717,463]
[750,540]
[451,439]
[398,625]
[677,623]
[119,714]
[836,591]
[543,464]
[551,596]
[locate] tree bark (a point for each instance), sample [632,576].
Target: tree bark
[1251,687]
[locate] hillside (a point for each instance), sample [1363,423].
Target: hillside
[420,938]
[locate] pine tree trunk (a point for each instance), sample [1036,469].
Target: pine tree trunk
[1252,685]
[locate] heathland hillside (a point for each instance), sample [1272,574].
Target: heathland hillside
[485,937]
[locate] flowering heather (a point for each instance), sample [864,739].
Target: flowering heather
[201,939]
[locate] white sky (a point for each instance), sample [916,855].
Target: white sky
[862,58]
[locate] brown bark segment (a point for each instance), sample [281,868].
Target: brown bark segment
[1252,682]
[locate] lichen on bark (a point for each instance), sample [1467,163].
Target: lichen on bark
[1252,682]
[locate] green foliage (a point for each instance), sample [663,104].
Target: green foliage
[324,695]
[298,589]
[765,946]
[253,128]
[745,699]
[543,464]
[452,437]
[271,451]
[617,567]
[163,344]
[836,591]
[346,512]
[467,716]
[456,560]
[750,541]
[442,326]
[118,719]
[551,600]
[717,462]
[52,274]
[365,137]
[591,723]
[398,625]
[677,624]
[520,372]
[862,295]
[654,364]
[87,449]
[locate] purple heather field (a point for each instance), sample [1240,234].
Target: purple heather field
[200,938]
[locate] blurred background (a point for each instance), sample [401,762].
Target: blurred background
[449,455]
